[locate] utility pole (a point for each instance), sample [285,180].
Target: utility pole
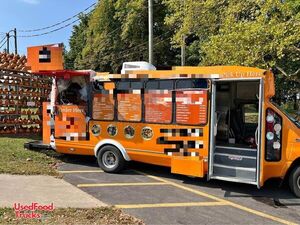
[183,37]
[150,21]
[16,43]
[7,42]
[183,51]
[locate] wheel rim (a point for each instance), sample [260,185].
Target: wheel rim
[298,182]
[109,159]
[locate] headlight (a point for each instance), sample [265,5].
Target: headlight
[270,136]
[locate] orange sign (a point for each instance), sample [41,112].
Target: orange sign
[45,57]
[191,107]
[158,106]
[129,107]
[103,107]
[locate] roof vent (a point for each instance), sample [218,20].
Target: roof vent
[133,66]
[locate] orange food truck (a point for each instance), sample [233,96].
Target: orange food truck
[217,121]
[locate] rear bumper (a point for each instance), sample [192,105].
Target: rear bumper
[37,145]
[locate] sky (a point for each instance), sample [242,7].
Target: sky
[35,14]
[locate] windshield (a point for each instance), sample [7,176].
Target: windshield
[293,116]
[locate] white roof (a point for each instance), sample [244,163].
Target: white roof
[138,65]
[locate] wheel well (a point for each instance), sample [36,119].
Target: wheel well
[108,144]
[102,146]
[293,165]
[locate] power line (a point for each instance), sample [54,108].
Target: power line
[54,30]
[59,23]
[143,48]
[54,25]
[130,49]
[146,42]
[49,32]
[126,55]
[3,44]
[60,28]
[3,39]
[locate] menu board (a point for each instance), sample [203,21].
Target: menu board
[129,107]
[191,107]
[158,106]
[103,107]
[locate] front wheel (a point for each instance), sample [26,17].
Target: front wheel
[294,181]
[110,159]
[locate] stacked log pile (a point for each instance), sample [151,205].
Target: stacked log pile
[21,97]
[13,62]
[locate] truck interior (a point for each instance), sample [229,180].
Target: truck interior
[237,113]
[236,127]
[72,91]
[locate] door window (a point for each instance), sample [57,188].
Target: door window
[250,113]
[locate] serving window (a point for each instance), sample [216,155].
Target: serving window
[191,107]
[129,101]
[155,101]
[103,103]
[191,83]
[158,101]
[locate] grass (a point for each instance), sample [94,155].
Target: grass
[103,215]
[17,160]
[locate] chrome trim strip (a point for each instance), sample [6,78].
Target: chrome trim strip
[212,131]
[236,167]
[236,148]
[260,116]
[233,155]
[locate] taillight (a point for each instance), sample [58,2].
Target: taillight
[273,136]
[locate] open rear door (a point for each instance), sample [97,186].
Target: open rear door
[230,161]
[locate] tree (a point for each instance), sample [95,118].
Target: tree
[77,42]
[197,20]
[117,31]
[255,33]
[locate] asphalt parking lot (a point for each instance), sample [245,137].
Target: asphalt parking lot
[156,196]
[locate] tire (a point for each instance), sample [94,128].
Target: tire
[110,159]
[294,181]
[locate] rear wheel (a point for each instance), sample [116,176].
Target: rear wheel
[294,181]
[110,159]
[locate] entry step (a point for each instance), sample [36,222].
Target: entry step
[238,173]
[235,160]
[236,151]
